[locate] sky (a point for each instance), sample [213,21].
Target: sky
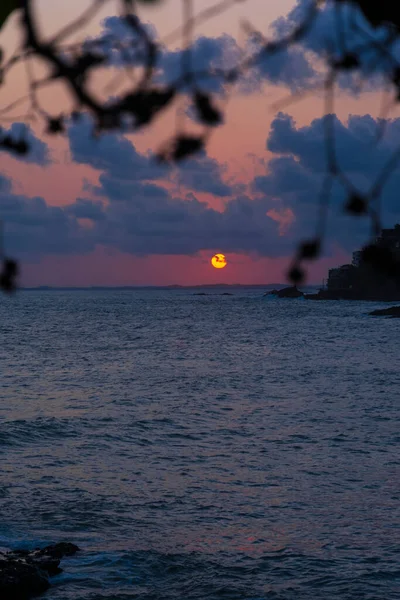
[82,211]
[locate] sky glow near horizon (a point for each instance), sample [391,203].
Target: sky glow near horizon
[85,214]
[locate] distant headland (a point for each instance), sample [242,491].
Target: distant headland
[256,286]
[374,273]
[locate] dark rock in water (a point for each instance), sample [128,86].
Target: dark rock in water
[392,311]
[20,580]
[59,550]
[226,294]
[25,573]
[200,294]
[288,292]
[323,295]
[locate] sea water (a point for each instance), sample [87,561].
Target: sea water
[202,447]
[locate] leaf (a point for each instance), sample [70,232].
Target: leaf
[379,12]
[19,147]
[6,8]
[180,148]
[144,105]
[55,125]
[356,205]
[207,112]
[347,62]
[296,275]
[310,249]
[8,277]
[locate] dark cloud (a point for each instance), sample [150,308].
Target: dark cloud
[325,37]
[110,152]
[122,165]
[357,149]
[296,176]
[33,228]
[149,221]
[163,225]
[138,215]
[84,208]
[208,55]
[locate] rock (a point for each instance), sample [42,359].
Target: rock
[20,580]
[25,573]
[288,292]
[392,311]
[59,550]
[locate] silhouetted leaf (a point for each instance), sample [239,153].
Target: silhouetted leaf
[207,112]
[19,147]
[356,205]
[109,120]
[379,12]
[87,61]
[144,105]
[8,277]
[55,125]
[6,8]
[347,62]
[395,77]
[181,147]
[296,274]
[310,249]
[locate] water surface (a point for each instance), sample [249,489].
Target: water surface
[234,447]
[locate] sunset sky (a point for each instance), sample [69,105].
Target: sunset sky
[80,211]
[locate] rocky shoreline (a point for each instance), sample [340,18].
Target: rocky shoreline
[392,311]
[294,292]
[25,574]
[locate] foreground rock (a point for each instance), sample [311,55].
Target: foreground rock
[288,292]
[392,311]
[25,573]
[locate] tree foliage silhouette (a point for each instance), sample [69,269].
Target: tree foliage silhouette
[144,97]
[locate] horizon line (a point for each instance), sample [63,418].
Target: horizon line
[169,286]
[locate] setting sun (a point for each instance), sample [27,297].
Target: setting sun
[219,261]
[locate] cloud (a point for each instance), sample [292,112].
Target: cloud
[164,225]
[132,211]
[206,56]
[110,152]
[84,208]
[38,150]
[296,173]
[355,141]
[289,67]
[147,222]
[325,37]
[122,165]
[33,228]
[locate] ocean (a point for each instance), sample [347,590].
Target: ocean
[202,447]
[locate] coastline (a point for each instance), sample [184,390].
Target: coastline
[25,574]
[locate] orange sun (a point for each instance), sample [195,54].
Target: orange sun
[219,261]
